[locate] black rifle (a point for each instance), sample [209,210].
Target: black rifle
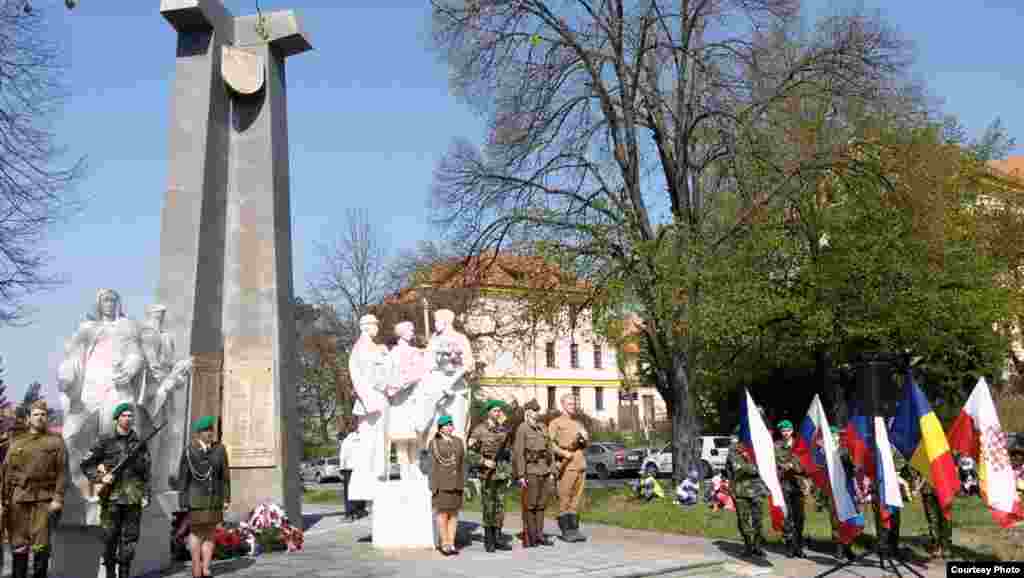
[103,490]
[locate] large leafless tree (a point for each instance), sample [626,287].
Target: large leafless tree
[627,140]
[36,182]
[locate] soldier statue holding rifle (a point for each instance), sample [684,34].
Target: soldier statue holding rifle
[118,465]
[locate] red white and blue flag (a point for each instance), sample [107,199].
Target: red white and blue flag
[756,442]
[819,455]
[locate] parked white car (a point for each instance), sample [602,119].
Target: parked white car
[712,450]
[327,469]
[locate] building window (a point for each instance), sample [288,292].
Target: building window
[599,398]
[549,353]
[574,356]
[597,356]
[576,396]
[551,399]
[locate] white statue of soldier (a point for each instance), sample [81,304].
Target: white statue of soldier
[406,397]
[102,368]
[162,376]
[450,356]
[370,368]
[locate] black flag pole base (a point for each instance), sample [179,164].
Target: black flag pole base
[884,562]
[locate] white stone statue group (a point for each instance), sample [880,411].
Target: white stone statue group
[400,394]
[112,359]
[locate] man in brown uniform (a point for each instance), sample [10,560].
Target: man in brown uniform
[532,463]
[569,439]
[33,492]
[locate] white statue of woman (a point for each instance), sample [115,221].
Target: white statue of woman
[370,368]
[450,356]
[405,395]
[102,368]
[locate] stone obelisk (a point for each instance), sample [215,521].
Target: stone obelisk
[226,246]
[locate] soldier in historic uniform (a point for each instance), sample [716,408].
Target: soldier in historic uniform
[748,492]
[569,438]
[792,474]
[490,442]
[447,482]
[122,498]
[33,492]
[533,465]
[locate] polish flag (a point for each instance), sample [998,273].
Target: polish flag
[756,441]
[977,433]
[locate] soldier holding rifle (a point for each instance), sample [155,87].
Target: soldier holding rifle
[118,466]
[569,438]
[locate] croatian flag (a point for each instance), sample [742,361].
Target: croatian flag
[888,480]
[819,455]
[977,433]
[756,442]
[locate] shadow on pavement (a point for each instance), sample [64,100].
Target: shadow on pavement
[309,521]
[232,566]
[734,550]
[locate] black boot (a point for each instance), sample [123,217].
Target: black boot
[111,570]
[500,544]
[124,570]
[19,565]
[756,545]
[748,548]
[565,526]
[800,547]
[576,536]
[40,564]
[791,549]
[488,538]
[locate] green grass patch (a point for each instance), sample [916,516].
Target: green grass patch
[321,497]
[976,537]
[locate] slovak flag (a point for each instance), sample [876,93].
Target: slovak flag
[976,432]
[818,453]
[756,442]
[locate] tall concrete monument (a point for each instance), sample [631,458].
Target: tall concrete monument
[225,244]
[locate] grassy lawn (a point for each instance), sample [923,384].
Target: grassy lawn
[975,536]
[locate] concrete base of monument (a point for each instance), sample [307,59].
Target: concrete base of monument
[402,517]
[78,546]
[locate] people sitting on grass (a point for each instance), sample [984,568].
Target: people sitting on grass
[688,490]
[720,496]
[649,488]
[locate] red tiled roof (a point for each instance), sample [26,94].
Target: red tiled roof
[1011,166]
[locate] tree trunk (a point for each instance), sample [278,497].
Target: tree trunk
[685,422]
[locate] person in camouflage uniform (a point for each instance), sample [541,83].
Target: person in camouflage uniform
[489,442]
[124,497]
[792,476]
[32,485]
[748,492]
[940,528]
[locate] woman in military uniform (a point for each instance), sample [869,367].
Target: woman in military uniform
[447,481]
[489,442]
[204,484]
[533,465]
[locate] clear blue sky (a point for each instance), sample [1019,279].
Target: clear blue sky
[369,115]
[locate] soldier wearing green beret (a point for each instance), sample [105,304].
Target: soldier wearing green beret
[32,486]
[748,492]
[489,444]
[792,474]
[204,486]
[122,499]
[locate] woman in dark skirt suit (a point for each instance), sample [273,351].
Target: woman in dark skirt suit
[204,484]
[447,480]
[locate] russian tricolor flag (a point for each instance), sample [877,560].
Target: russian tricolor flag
[858,441]
[818,453]
[756,442]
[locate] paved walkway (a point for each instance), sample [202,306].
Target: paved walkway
[335,548]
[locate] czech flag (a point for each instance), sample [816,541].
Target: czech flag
[917,434]
[977,433]
[756,442]
[820,457]
[889,496]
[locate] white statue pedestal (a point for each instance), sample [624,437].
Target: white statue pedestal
[78,542]
[402,516]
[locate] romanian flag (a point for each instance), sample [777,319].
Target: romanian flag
[917,434]
[756,442]
[977,433]
[819,455]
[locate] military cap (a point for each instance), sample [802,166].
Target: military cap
[835,429]
[204,423]
[785,424]
[444,420]
[494,403]
[532,404]
[121,408]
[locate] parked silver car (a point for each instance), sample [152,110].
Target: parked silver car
[606,459]
[327,469]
